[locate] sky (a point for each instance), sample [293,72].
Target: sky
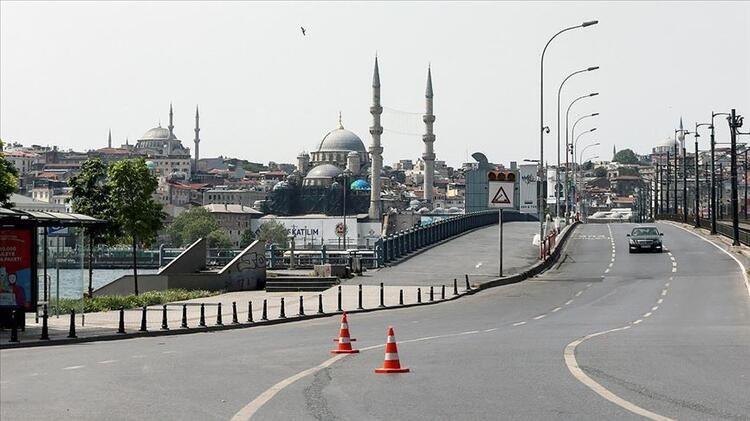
[69,72]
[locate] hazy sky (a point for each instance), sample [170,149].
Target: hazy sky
[71,71]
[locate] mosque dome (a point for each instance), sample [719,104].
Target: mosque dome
[324,171]
[150,165]
[360,185]
[341,139]
[157,133]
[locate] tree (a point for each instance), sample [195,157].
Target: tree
[90,196]
[625,156]
[587,166]
[219,239]
[191,225]
[600,172]
[132,205]
[8,179]
[272,232]
[248,236]
[627,171]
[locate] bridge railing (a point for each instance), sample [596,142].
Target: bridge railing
[722,228]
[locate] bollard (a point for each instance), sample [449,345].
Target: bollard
[282,315]
[432,293]
[218,315]
[72,330]
[320,304]
[143,321]
[468,287]
[359,298]
[164,325]
[301,306]
[455,286]
[121,326]
[14,327]
[442,293]
[339,308]
[382,298]
[235,321]
[250,312]
[264,316]
[45,328]
[202,321]
[419,295]
[184,317]
[401,297]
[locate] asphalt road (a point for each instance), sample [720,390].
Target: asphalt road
[683,351]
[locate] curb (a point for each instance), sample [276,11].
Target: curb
[506,280]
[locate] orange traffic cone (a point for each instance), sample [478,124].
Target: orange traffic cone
[391,363]
[345,345]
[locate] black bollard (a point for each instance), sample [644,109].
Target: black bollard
[419,295]
[218,315]
[468,287]
[184,317]
[401,297]
[320,304]
[382,297]
[143,321]
[45,328]
[432,294]
[339,308]
[235,320]
[121,326]
[164,325]
[282,314]
[359,299]
[202,321]
[301,306]
[14,327]
[455,286]
[264,316]
[250,312]
[442,293]
[72,330]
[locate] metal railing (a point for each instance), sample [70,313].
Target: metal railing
[722,228]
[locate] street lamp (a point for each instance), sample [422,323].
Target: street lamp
[735,122]
[557,170]
[713,172]
[540,196]
[697,182]
[579,164]
[567,142]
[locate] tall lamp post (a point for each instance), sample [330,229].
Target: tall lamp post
[684,179]
[557,171]
[581,161]
[574,145]
[713,206]
[735,122]
[697,182]
[542,127]
[588,158]
[568,144]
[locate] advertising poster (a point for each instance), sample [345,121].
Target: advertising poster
[527,186]
[15,268]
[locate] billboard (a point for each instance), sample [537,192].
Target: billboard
[16,252]
[528,188]
[318,230]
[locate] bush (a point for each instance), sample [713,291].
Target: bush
[115,302]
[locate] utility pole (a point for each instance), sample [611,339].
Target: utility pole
[668,181]
[734,123]
[684,186]
[697,183]
[676,171]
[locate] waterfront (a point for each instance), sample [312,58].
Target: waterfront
[73,282]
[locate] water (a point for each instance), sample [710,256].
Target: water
[71,285]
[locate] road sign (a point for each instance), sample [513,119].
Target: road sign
[501,194]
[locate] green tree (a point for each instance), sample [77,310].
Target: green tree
[90,195]
[587,166]
[132,204]
[272,232]
[191,225]
[219,239]
[627,171]
[625,156]
[8,179]
[248,236]
[600,172]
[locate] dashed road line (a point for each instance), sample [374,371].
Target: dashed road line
[578,294]
[568,302]
[654,308]
[519,323]
[106,362]
[556,309]
[73,367]
[661,300]
[541,316]
[637,321]
[490,330]
[647,314]
[663,292]
[606,270]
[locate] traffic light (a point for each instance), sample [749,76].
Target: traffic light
[498,175]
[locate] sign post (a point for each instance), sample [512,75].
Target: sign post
[501,194]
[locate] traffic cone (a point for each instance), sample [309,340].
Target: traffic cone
[345,344]
[391,363]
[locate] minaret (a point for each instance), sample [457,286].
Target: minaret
[109,139]
[197,141]
[428,138]
[376,151]
[171,131]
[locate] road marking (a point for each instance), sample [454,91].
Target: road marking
[606,270]
[556,309]
[672,257]
[519,323]
[575,370]
[491,330]
[579,293]
[74,367]
[669,253]
[654,308]
[106,362]
[674,270]
[471,332]
[661,300]
[647,314]
[667,284]
[610,265]
[541,316]
[588,285]
[663,292]
[637,321]
[568,302]
[169,352]
[674,264]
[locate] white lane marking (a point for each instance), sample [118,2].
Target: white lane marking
[169,352]
[611,264]
[519,323]
[137,356]
[637,321]
[654,308]
[568,302]
[647,314]
[613,255]
[471,332]
[74,367]
[661,300]
[667,285]
[556,309]
[663,292]
[589,285]
[579,293]
[490,330]
[672,257]
[669,253]
[674,270]
[575,370]
[106,362]
[671,278]
[541,316]
[606,270]
[674,264]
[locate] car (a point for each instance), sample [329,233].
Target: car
[645,239]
